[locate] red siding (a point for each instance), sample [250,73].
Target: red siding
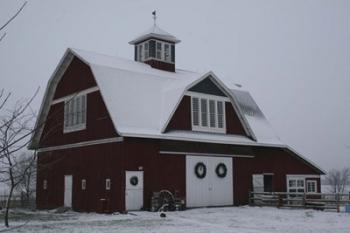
[161,65]
[266,160]
[181,119]
[233,124]
[77,77]
[98,124]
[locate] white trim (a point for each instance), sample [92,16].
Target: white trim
[303,176]
[208,96]
[204,154]
[81,144]
[228,141]
[79,93]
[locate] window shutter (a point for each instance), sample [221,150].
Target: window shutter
[152,48]
[159,50]
[166,52]
[66,114]
[220,106]
[146,51]
[83,109]
[77,109]
[212,113]
[172,53]
[71,112]
[195,111]
[204,112]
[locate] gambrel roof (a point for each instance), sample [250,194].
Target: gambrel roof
[141,101]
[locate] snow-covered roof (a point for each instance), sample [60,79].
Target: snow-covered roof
[155,32]
[141,101]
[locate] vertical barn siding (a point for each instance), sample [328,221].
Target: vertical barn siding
[98,124]
[266,160]
[181,119]
[233,124]
[77,77]
[160,171]
[161,65]
[93,163]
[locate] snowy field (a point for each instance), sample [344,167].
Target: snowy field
[230,219]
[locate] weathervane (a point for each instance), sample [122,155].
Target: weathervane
[154,13]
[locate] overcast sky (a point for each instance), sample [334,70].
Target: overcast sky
[293,56]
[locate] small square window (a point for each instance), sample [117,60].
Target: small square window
[45,184]
[311,186]
[108,184]
[83,184]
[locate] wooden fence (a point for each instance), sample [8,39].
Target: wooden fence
[320,201]
[17,201]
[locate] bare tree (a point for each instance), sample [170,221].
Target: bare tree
[10,20]
[27,170]
[15,131]
[338,179]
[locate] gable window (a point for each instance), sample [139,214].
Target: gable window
[208,114]
[75,114]
[311,186]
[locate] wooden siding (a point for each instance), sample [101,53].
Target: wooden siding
[267,160]
[98,162]
[233,124]
[161,65]
[181,119]
[77,77]
[98,124]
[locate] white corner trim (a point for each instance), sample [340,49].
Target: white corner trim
[68,97]
[204,154]
[81,144]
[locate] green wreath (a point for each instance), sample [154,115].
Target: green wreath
[134,180]
[200,170]
[221,170]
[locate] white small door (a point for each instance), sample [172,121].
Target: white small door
[68,190]
[133,190]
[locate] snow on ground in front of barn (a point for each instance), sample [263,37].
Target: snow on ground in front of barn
[230,219]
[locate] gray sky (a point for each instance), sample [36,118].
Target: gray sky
[293,56]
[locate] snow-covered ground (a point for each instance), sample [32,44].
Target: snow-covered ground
[230,219]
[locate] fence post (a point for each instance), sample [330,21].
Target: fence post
[337,201]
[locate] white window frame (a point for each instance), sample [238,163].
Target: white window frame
[108,184]
[208,128]
[307,186]
[300,177]
[67,106]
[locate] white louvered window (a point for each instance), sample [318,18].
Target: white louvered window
[166,52]
[195,111]
[208,114]
[75,114]
[159,50]
[204,112]
[146,50]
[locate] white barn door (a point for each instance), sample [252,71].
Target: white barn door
[133,190]
[68,190]
[211,190]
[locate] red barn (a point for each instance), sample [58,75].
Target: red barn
[116,130]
